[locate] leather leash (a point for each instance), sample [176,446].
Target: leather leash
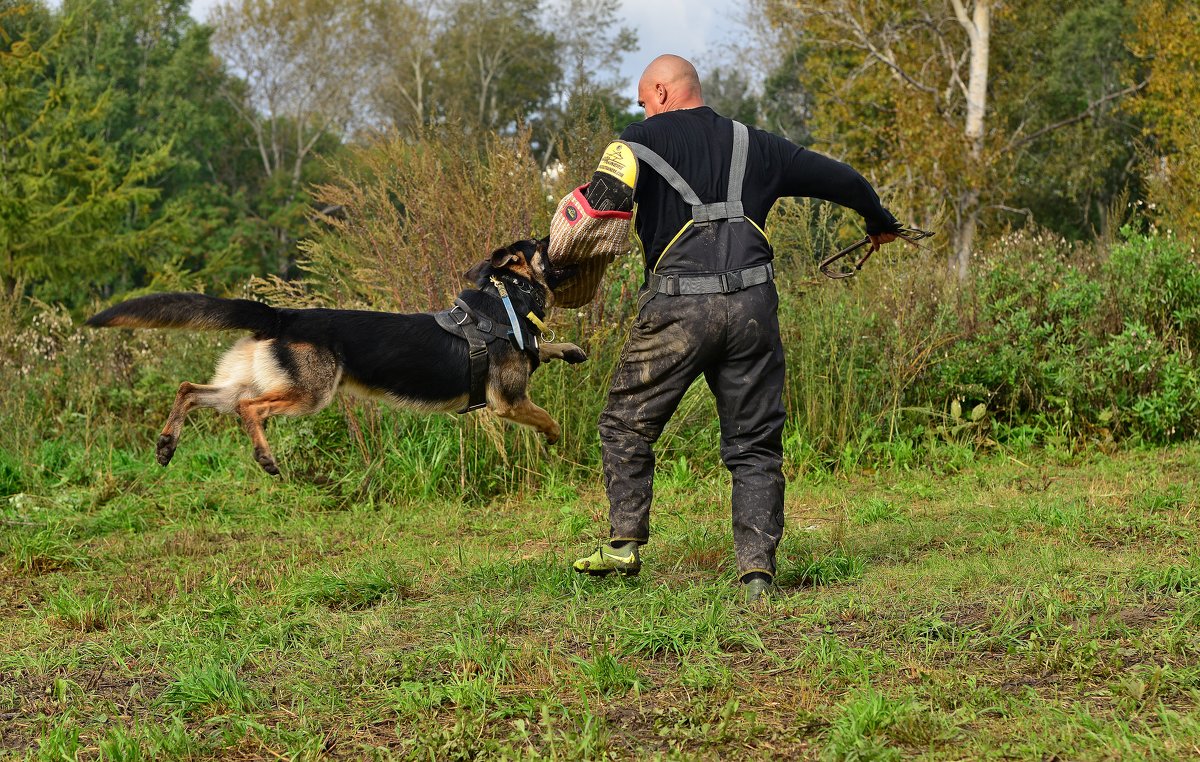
[908,235]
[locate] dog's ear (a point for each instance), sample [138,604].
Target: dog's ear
[502,258]
[475,273]
[544,244]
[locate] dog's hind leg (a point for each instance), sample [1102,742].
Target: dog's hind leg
[255,411]
[188,397]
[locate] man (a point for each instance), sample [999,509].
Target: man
[709,307]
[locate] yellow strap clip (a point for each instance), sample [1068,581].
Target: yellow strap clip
[546,332]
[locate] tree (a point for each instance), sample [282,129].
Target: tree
[496,64]
[1070,142]
[155,66]
[891,76]
[906,89]
[590,47]
[398,46]
[67,193]
[303,88]
[489,65]
[729,93]
[787,105]
[1167,37]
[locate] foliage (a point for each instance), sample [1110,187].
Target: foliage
[415,215]
[65,188]
[1067,178]
[397,64]
[125,167]
[1166,38]
[1056,331]
[886,85]
[495,62]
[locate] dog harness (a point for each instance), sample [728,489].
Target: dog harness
[715,252]
[480,331]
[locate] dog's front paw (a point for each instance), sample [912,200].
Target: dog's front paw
[265,460]
[574,355]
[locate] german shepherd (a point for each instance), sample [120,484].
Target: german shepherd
[297,359]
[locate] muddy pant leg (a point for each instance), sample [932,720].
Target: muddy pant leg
[663,355]
[748,385]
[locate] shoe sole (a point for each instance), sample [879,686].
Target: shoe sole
[606,572]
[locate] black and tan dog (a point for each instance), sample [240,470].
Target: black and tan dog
[297,359]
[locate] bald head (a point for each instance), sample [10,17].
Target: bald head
[667,84]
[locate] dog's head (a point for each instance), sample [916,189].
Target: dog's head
[524,259]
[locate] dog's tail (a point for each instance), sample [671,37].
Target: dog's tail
[185,310]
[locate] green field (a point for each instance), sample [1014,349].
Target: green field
[1035,605]
[992,440]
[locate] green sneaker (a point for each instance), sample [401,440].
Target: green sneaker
[608,559]
[758,589]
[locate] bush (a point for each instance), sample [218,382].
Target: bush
[1051,337]
[1058,332]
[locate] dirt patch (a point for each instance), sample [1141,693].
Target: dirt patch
[46,695]
[17,593]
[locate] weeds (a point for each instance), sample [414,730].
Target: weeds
[821,570]
[86,613]
[213,687]
[864,728]
[43,550]
[355,588]
[607,675]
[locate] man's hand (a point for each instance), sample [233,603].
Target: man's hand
[880,239]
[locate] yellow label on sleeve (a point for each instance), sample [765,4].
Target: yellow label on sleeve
[618,160]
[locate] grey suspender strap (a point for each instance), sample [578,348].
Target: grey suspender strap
[737,172]
[660,165]
[702,214]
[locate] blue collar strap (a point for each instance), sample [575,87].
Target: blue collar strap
[518,336]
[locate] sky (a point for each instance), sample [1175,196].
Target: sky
[698,30]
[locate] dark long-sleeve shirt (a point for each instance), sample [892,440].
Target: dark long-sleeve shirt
[698,143]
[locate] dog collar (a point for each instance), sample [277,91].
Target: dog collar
[518,336]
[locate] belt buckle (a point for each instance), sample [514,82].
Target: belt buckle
[732,281]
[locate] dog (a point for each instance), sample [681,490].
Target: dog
[298,359]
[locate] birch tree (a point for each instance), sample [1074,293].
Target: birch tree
[398,46]
[301,85]
[496,62]
[906,90]
[976,22]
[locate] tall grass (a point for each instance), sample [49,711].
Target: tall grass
[1048,344]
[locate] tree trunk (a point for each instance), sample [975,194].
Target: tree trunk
[967,219]
[978,28]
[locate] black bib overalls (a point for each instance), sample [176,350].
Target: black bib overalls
[708,308]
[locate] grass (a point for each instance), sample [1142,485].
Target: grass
[1045,608]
